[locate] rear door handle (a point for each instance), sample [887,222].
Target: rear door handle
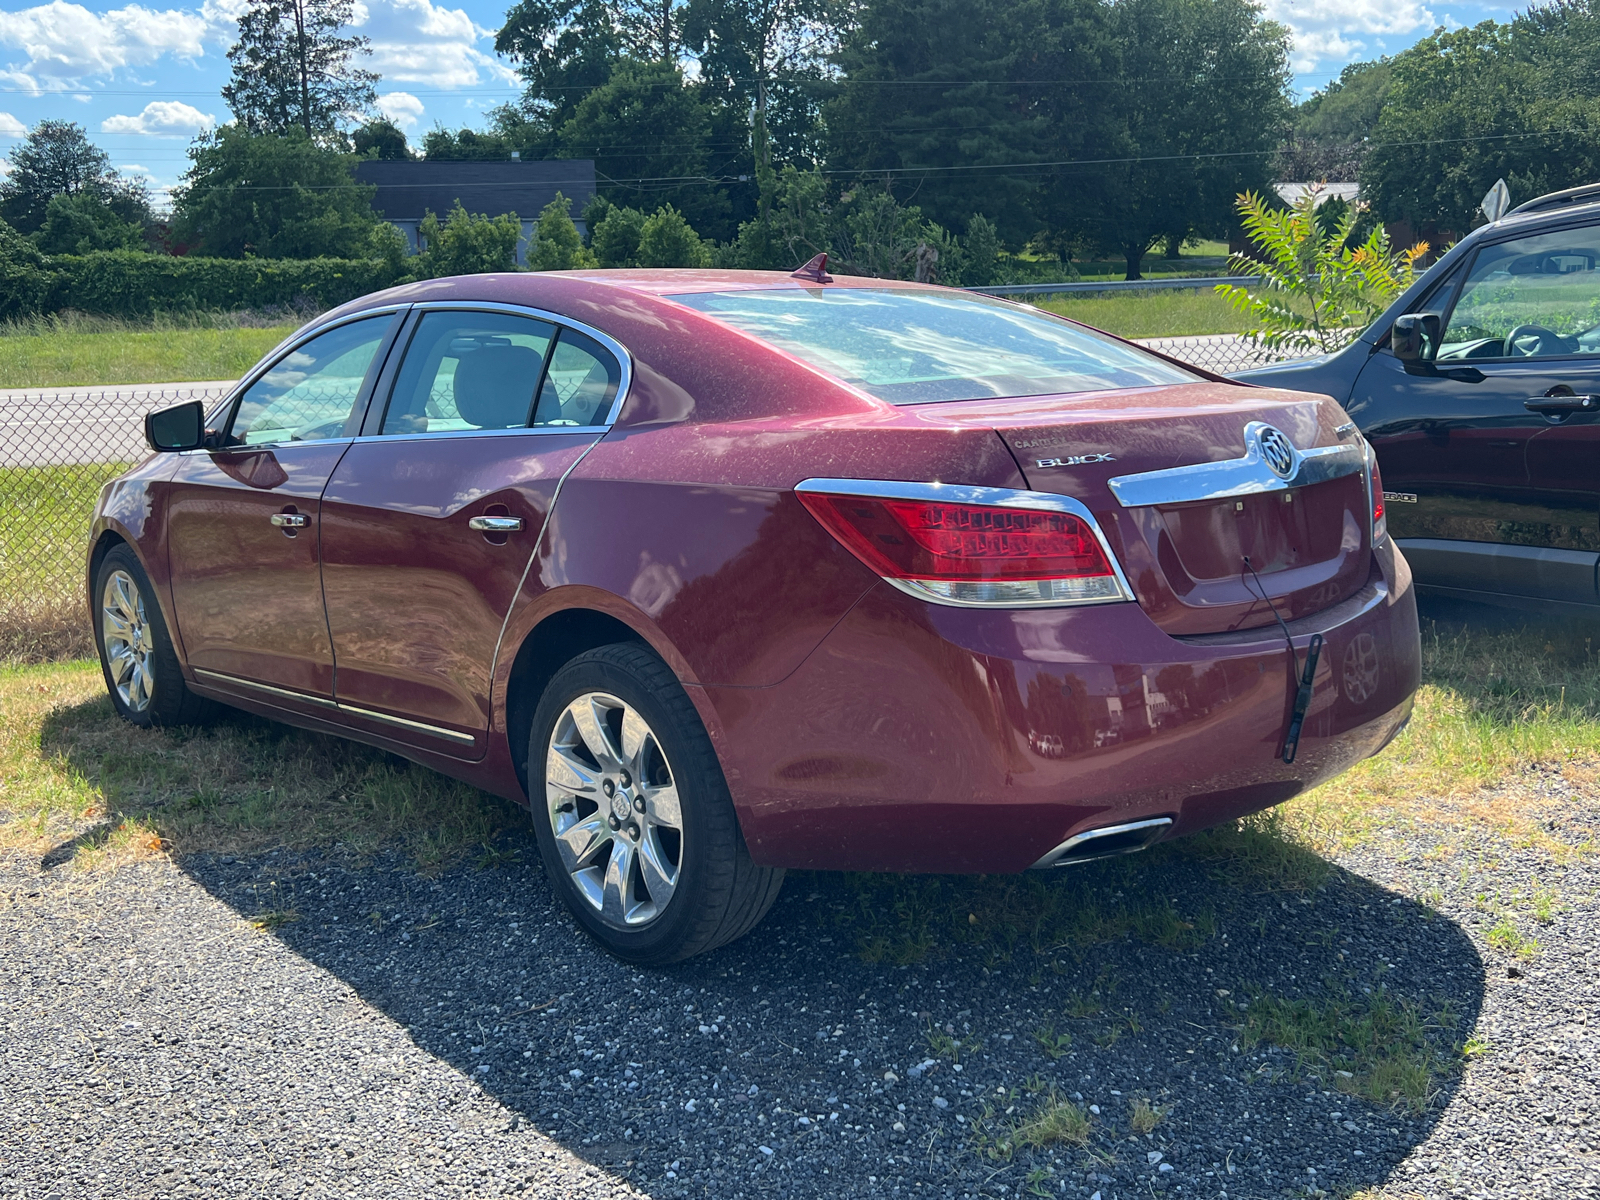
[1562,404]
[289,520]
[496,524]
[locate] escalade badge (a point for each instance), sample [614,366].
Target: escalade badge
[1076,460]
[1277,451]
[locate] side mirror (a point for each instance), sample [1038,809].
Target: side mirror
[1414,336]
[181,427]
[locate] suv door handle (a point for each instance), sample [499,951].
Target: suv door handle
[289,520]
[1562,404]
[496,524]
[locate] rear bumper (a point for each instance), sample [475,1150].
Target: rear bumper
[923,738]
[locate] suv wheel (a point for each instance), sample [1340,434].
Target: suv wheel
[635,824]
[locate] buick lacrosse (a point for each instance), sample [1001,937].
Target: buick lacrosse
[725,572]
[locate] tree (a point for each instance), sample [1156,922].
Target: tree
[274,196]
[769,58]
[292,68]
[81,223]
[557,246]
[951,99]
[382,139]
[1513,102]
[466,244]
[1202,108]
[565,49]
[648,133]
[1332,128]
[58,159]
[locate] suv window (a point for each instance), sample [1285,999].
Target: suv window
[1532,297]
[310,393]
[467,370]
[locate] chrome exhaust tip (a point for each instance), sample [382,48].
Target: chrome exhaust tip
[1106,842]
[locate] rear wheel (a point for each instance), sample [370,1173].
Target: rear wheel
[136,651]
[635,824]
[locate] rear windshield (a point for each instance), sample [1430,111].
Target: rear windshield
[918,347]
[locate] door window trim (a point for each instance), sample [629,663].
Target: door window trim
[227,410]
[375,411]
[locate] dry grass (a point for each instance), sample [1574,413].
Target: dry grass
[81,785]
[1502,713]
[50,628]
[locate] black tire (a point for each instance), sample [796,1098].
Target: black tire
[719,893]
[163,698]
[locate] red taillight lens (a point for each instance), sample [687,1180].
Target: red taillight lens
[973,553]
[1380,522]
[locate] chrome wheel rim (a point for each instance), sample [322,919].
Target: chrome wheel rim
[612,802]
[129,641]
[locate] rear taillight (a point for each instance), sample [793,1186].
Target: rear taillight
[965,545]
[1380,522]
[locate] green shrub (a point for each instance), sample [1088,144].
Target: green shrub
[24,279]
[615,237]
[667,240]
[557,246]
[466,244]
[128,283]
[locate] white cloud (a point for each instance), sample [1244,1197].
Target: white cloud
[404,109]
[1328,30]
[66,42]
[161,118]
[11,127]
[416,41]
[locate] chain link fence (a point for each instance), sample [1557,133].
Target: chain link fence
[58,447]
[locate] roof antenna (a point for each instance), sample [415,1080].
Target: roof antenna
[816,270]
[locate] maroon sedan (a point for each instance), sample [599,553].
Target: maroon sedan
[725,572]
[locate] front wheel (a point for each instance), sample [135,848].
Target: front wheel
[136,652]
[635,824]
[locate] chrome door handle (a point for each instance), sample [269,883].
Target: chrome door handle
[289,520]
[496,524]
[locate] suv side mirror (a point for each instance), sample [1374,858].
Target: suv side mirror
[181,427]
[1414,337]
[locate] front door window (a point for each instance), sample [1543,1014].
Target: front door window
[1533,297]
[310,393]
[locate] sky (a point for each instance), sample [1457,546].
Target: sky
[144,79]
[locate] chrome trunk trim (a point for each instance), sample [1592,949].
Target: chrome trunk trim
[1244,476]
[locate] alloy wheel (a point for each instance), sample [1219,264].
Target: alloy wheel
[613,806]
[129,641]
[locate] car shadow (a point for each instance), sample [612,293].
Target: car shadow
[1234,1009]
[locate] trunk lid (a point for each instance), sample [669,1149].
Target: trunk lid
[1182,536]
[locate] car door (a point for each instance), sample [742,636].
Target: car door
[430,521]
[1488,451]
[242,536]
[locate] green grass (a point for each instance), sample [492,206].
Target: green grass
[1150,314]
[79,777]
[89,351]
[1368,1044]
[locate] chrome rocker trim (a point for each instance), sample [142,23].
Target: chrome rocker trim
[449,735]
[960,493]
[1246,476]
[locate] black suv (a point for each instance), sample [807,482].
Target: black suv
[1480,389]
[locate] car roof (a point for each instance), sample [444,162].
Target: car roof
[683,281]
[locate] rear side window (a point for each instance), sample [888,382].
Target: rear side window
[466,370]
[909,347]
[579,384]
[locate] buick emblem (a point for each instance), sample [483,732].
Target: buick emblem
[1276,450]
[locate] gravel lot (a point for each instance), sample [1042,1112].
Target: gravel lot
[298,1025]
